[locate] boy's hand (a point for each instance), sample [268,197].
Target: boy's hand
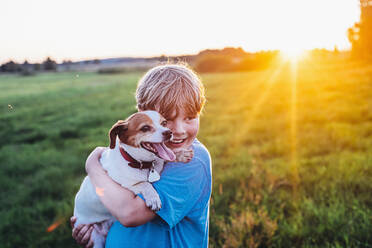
[93,158]
[82,233]
[184,155]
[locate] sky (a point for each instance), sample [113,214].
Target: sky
[87,29]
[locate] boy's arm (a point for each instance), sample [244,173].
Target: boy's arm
[129,209]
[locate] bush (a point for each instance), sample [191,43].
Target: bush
[213,63]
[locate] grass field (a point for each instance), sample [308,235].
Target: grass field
[291,150]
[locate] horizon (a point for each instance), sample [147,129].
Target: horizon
[160,55]
[66,31]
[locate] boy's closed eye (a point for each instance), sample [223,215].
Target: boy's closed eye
[189,118]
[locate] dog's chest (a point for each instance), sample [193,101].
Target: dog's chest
[119,170]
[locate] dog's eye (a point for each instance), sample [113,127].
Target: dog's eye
[145,128]
[164,123]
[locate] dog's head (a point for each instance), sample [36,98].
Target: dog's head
[145,130]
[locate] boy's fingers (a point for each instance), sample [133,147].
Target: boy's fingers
[87,235]
[79,232]
[76,230]
[82,233]
[90,244]
[98,151]
[72,221]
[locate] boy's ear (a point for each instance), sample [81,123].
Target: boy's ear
[119,127]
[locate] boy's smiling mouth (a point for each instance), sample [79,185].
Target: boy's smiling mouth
[177,141]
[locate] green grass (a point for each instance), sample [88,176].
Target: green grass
[289,170]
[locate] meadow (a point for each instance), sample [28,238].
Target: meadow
[291,149]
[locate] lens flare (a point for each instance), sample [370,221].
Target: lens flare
[100,191]
[292,53]
[53,226]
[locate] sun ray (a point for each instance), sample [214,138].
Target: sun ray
[293,127]
[270,82]
[248,119]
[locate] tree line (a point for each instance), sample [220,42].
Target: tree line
[360,34]
[232,59]
[27,68]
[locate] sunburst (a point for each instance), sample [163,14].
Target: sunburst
[293,127]
[293,54]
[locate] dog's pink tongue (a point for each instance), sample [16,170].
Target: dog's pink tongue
[164,152]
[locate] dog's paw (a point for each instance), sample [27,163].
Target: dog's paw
[153,202]
[185,155]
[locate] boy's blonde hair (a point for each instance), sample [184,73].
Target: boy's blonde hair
[171,87]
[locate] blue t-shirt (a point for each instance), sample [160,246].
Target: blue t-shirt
[184,190]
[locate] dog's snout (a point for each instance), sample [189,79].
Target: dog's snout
[167,134]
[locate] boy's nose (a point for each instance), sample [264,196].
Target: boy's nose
[178,130]
[167,134]
[177,127]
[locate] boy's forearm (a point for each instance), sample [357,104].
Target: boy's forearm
[126,207]
[111,194]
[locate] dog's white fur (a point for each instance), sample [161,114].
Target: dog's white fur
[89,209]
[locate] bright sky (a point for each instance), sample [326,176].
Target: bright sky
[80,29]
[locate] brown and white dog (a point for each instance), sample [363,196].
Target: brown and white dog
[135,159]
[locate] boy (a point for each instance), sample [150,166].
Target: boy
[176,92]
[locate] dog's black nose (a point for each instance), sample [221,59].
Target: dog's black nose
[167,134]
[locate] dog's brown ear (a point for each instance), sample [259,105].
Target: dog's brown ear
[118,127]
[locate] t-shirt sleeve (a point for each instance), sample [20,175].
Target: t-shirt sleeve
[180,189]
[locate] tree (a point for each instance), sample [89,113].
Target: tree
[360,35]
[49,65]
[26,69]
[37,67]
[26,66]
[67,65]
[213,63]
[10,67]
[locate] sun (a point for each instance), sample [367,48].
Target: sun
[292,53]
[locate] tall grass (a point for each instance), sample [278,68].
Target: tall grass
[287,171]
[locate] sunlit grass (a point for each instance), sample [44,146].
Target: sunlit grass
[286,155]
[268,80]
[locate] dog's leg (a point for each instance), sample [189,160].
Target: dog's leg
[99,240]
[152,198]
[100,232]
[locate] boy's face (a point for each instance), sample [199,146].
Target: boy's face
[184,129]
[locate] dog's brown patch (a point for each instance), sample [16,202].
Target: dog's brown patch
[129,131]
[118,128]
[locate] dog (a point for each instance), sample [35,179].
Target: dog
[135,159]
